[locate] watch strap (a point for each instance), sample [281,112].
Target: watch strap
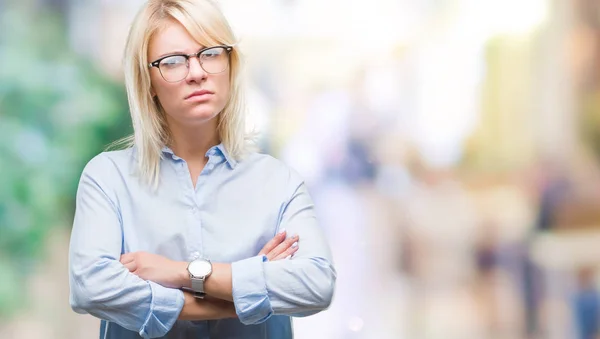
[199,295]
[197,284]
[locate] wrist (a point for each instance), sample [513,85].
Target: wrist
[219,283]
[184,275]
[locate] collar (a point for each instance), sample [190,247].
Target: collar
[218,150]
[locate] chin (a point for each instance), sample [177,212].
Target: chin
[202,114]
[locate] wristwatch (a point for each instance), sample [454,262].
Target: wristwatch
[199,270]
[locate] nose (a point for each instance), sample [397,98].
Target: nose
[196,72]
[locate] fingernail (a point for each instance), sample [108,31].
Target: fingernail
[282,230]
[296,236]
[294,245]
[289,256]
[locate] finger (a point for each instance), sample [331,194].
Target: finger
[277,239]
[127,257]
[131,266]
[282,247]
[287,253]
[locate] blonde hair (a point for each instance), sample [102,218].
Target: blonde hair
[207,25]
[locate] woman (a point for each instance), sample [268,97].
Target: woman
[188,233]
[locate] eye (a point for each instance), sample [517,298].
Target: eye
[173,61]
[212,53]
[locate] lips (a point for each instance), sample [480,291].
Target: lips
[202,92]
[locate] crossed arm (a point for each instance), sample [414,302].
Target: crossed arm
[218,286]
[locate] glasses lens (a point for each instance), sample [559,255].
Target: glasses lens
[173,68]
[214,60]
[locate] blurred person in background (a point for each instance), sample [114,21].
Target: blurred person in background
[586,304]
[166,231]
[553,189]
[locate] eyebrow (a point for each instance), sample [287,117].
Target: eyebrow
[170,53]
[177,53]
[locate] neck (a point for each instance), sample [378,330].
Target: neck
[192,142]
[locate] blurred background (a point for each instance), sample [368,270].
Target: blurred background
[452,148]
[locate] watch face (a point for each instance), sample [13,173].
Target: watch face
[200,268]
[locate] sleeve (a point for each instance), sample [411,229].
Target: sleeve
[99,284]
[301,286]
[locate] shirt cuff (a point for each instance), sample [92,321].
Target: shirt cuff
[165,307]
[249,290]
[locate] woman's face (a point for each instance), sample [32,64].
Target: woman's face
[199,96]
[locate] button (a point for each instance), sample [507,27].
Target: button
[194,255]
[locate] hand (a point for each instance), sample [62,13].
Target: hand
[156,268]
[279,247]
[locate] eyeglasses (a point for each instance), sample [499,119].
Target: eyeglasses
[174,68]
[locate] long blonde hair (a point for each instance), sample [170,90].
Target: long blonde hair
[207,25]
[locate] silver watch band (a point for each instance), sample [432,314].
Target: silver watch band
[198,284]
[198,295]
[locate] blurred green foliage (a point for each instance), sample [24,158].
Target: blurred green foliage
[56,112]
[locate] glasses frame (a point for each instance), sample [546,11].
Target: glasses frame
[156,63]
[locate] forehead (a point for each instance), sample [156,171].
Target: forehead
[172,37]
